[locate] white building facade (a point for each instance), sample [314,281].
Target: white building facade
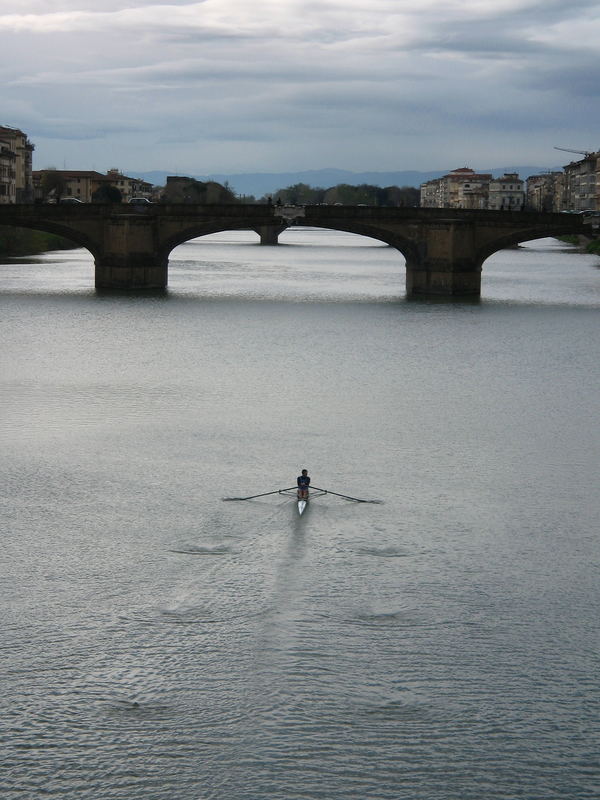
[506,193]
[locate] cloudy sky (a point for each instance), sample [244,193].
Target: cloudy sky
[282,85]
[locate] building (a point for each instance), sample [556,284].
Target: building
[430,192]
[16,153]
[506,193]
[8,173]
[129,187]
[52,183]
[469,189]
[461,188]
[581,183]
[545,192]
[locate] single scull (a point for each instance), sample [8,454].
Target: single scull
[316,491]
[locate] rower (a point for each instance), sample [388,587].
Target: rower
[303,483]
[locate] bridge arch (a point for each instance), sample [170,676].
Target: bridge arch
[173,240]
[400,243]
[517,237]
[407,248]
[66,231]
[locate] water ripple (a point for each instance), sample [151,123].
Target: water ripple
[218,550]
[384,552]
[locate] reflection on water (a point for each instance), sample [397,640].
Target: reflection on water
[160,643]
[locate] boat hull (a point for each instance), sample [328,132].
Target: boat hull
[302,506]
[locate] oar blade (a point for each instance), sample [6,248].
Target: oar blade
[263,494]
[347,496]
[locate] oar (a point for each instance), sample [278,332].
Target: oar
[346,496]
[264,494]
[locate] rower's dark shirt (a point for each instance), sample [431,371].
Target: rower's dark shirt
[303,480]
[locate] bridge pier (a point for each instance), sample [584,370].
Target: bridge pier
[130,260]
[130,273]
[269,234]
[446,264]
[442,280]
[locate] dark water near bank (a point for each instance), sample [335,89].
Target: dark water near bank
[159,643]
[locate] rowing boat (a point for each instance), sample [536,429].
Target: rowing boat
[303,501]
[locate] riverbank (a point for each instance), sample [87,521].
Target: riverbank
[23,242]
[592,246]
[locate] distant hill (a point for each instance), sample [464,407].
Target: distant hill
[263,183]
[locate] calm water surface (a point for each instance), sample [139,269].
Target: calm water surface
[160,643]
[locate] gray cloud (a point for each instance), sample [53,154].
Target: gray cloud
[223,85]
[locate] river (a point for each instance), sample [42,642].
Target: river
[159,643]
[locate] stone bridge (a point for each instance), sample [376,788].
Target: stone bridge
[444,248]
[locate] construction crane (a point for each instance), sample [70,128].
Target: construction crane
[581,152]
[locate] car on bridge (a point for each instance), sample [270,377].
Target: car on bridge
[71,201]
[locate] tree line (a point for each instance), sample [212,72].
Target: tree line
[347,195]
[193,191]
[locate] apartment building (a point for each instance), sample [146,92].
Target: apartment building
[582,183]
[545,192]
[576,188]
[52,183]
[461,188]
[15,166]
[430,194]
[470,190]
[8,173]
[129,187]
[506,193]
